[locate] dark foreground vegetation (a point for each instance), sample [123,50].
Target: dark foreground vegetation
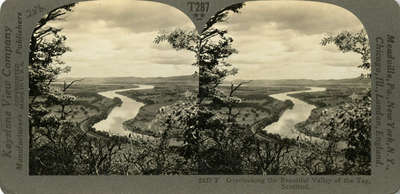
[331,102]
[212,123]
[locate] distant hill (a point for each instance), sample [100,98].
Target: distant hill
[191,80]
[308,82]
[186,79]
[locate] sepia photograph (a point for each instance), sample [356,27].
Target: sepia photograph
[264,88]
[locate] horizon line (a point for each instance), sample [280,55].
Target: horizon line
[104,77]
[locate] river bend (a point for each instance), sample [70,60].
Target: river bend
[129,108]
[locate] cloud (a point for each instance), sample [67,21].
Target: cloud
[275,40]
[135,16]
[172,57]
[303,17]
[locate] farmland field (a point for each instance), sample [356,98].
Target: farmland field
[256,111]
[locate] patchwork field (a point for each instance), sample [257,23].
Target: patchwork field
[256,110]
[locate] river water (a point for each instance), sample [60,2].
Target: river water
[300,112]
[129,108]
[285,126]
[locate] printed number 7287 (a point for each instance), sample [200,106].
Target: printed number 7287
[199,6]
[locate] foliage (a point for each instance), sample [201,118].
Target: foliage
[354,118]
[47,132]
[56,146]
[352,42]
[313,156]
[202,140]
[345,148]
[199,134]
[214,142]
[46,46]
[211,47]
[353,121]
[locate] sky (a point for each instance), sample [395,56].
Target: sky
[275,40]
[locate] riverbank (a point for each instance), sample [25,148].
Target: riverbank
[274,117]
[87,124]
[256,107]
[129,108]
[161,95]
[327,103]
[331,97]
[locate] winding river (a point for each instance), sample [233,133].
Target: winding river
[128,110]
[300,112]
[285,126]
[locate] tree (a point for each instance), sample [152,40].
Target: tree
[352,42]
[352,123]
[56,147]
[214,141]
[211,47]
[46,46]
[354,118]
[45,127]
